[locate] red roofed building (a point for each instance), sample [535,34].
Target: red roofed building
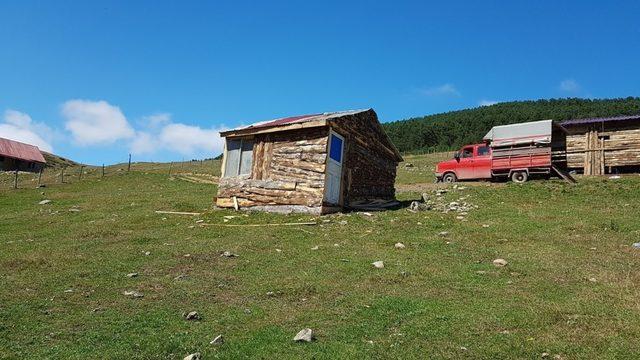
[15,155]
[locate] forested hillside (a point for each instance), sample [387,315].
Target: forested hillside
[454,129]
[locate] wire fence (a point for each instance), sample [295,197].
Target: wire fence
[195,170]
[49,176]
[433,154]
[439,156]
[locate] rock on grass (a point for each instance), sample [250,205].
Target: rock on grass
[194,356]
[500,262]
[193,315]
[304,335]
[218,340]
[132,293]
[378,264]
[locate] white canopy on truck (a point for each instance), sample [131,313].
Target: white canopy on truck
[535,132]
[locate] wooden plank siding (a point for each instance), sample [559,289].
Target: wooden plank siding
[622,148]
[595,148]
[370,165]
[289,166]
[288,170]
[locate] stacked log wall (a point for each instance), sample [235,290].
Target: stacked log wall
[621,146]
[288,170]
[369,163]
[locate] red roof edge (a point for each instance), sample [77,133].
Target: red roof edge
[21,151]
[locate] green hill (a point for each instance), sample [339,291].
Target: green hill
[55,161]
[453,129]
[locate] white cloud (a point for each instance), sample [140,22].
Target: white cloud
[100,123]
[19,126]
[17,118]
[144,143]
[156,120]
[569,85]
[161,134]
[442,90]
[486,102]
[95,122]
[190,140]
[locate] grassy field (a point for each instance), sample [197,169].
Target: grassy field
[68,172]
[421,168]
[570,287]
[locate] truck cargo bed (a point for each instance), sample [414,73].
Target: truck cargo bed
[535,158]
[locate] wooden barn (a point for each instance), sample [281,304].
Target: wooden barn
[15,155]
[600,146]
[314,164]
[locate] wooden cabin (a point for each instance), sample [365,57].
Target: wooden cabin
[17,156]
[316,164]
[600,146]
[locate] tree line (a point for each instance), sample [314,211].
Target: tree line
[451,130]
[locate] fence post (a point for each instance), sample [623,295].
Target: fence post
[15,180]
[129,166]
[170,166]
[102,170]
[80,174]
[40,177]
[62,175]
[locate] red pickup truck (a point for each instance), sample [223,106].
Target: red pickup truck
[510,151]
[471,162]
[475,162]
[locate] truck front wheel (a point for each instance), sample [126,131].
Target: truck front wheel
[449,178]
[519,177]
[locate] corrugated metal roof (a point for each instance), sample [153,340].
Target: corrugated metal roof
[598,120]
[322,118]
[22,151]
[282,121]
[297,119]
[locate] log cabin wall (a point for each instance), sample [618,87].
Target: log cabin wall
[597,147]
[287,173]
[11,164]
[369,168]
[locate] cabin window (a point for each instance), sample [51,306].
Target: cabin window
[467,152]
[335,149]
[483,150]
[239,157]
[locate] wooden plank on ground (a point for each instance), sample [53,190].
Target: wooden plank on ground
[177,213]
[259,225]
[564,175]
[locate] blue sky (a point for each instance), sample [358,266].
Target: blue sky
[95,80]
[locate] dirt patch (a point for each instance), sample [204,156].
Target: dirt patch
[419,187]
[198,178]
